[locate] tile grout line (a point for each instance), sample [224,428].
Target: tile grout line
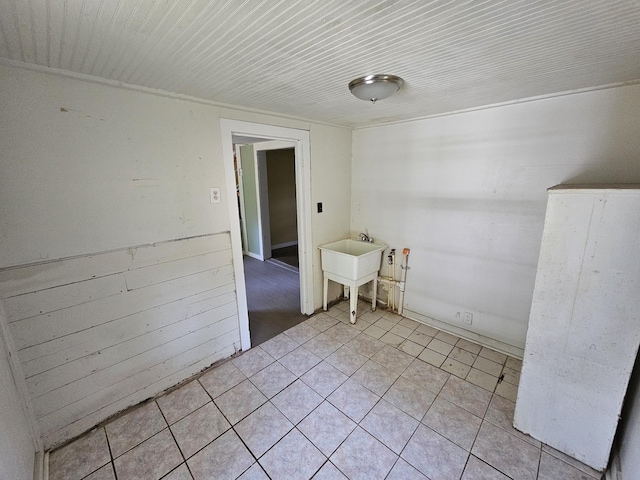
[112,460]
[184,460]
[369,359]
[231,425]
[502,365]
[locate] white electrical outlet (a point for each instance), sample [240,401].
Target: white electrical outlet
[214,194]
[468,318]
[458,316]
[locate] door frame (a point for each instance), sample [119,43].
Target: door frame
[263,202]
[260,150]
[239,186]
[300,139]
[244,165]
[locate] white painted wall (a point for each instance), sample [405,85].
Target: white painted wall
[16,447]
[331,185]
[90,169]
[467,194]
[116,168]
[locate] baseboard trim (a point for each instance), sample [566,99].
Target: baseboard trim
[284,245]
[466,334]
[460,332]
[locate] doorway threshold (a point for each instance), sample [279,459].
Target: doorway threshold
[280,263]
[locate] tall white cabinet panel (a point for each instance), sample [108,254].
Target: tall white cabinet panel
[584,326]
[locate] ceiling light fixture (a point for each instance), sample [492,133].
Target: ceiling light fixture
[375,87]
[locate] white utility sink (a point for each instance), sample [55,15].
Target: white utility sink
[351,263]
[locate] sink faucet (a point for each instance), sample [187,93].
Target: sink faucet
[365,238]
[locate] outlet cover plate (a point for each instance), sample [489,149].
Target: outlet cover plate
[214,194]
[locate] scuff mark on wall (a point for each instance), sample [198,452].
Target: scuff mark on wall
[68,110]
[145,182]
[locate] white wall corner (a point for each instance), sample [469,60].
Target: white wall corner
[41,466]
[8,346]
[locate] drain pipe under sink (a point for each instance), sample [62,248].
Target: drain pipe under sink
[392,282]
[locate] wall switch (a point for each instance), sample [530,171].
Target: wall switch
[468,318]
[319,207]
[214,194]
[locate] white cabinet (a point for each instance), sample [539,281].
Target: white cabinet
[584,326]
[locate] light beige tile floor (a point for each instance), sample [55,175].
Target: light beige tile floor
[389,398]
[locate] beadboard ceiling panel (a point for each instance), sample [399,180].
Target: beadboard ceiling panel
[297,57]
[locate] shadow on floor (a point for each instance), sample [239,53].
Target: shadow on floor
[273,298]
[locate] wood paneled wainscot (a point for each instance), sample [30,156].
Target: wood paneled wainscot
[96,334]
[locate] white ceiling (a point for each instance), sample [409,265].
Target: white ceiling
[296,57]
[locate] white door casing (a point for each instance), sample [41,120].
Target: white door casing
[300,139]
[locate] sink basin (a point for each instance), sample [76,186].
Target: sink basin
[351,259]
[351,263]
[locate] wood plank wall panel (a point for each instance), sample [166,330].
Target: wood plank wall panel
[96,334]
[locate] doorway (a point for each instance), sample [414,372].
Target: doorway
[266,182]
[279,194]
[246,133]
[268,212]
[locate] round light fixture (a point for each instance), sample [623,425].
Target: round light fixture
[375,87]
